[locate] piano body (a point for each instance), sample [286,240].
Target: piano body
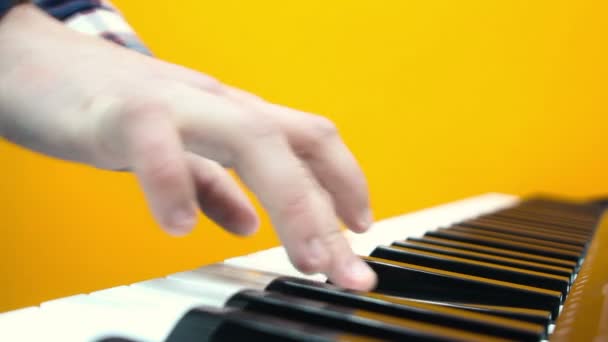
[488,268]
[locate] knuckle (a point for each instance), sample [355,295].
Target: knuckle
[332,239]
[304,264]
[296,205]
[251,133]
[264,130]
[320,130]
[208,182]
[323,125]
[245,97]
[111,126]
[137,110]
[212,85]
[260,129]
[163,170]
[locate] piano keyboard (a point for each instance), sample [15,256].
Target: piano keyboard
[488,268]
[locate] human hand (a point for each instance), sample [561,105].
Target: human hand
[83,99]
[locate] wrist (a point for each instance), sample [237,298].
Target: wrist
[17,18]
[21,29]
[7,5]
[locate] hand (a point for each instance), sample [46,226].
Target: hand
[83,99]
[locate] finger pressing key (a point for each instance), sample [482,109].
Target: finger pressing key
[300,210]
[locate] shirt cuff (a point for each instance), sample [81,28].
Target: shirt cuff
[98,18]
[6,5]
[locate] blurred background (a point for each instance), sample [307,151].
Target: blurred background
[438,100]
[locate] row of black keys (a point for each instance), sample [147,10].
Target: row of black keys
[500,276]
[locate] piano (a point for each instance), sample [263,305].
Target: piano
[488,268]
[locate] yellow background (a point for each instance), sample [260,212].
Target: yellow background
[438,100]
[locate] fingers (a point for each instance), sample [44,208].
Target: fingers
[302,213]
[217,128]
[191,77]
[174,180]
[316,141]
[220,198]
[156,155]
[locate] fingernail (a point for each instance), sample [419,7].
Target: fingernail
[182,220]
[249,228]
[367,219]
[359,271]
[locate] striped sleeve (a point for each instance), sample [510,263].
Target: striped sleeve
[94,17]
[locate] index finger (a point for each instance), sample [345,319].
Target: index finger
[301,212]
[315,140]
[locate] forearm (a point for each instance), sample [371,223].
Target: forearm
[18,28]
[50,84]
[27,33]
[29,40]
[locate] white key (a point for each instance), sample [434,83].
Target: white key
[152,298]
[222,280]
[21,325]
[189,292]
[142,297]
[271,260]
[89,318]
[164,308]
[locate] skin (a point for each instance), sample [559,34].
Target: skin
[83,99]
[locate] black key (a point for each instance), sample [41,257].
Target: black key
[565,212]
[523,230]
[535,224]
[541,317]
[555,211]
[585,225]
[360,322]
[474,268]
[413,281]
[513,246]
[424,312]
[473,247]
[219,325]
[516,237]
[543,201]
[541,223]
[461,253]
